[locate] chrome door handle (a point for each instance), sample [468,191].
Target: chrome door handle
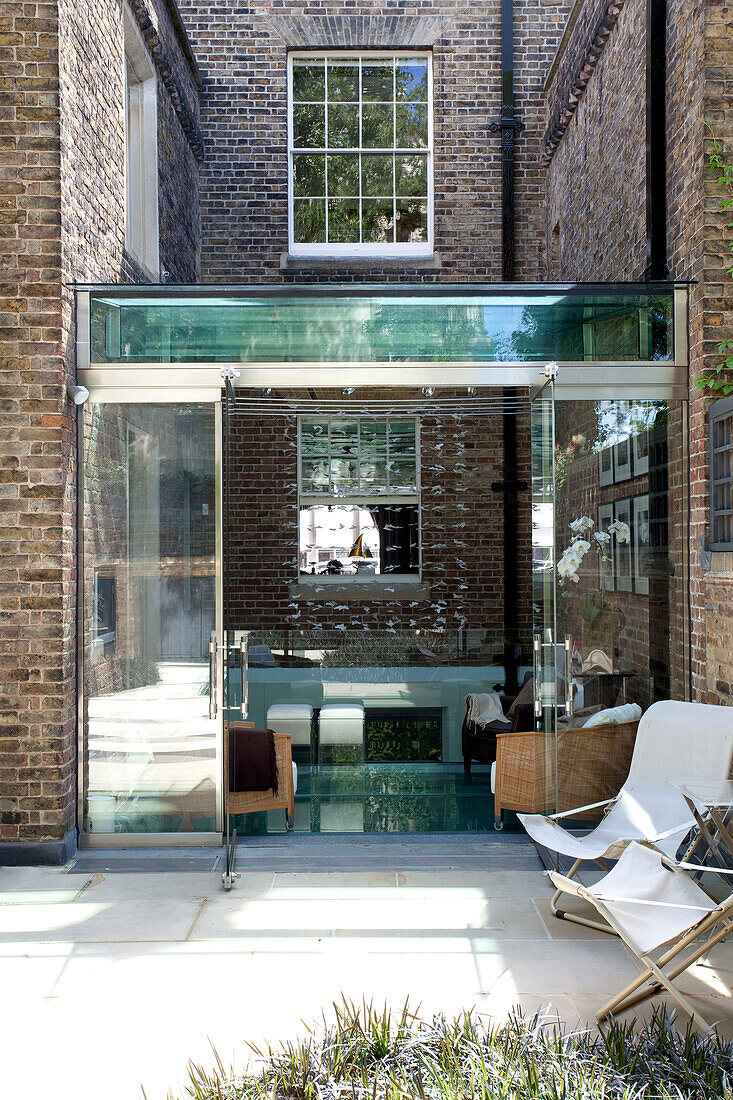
[537,673]
[568,674]
[213,708]
[244,661]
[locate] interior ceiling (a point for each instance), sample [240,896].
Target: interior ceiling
[374,401]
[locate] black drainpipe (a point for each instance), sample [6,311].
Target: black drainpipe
[509,486]
[656,140]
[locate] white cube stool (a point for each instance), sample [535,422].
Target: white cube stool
[295,719]
[341,724]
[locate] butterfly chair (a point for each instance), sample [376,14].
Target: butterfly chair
[650,902]
[676,743]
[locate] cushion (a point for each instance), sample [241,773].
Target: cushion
[526,695]
[615,716]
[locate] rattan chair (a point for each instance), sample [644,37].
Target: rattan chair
[255,802]
[592,764]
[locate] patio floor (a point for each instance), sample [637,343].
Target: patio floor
[112,981]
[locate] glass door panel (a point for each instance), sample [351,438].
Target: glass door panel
[151,716]
[548,656]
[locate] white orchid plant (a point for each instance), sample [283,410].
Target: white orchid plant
[585,538]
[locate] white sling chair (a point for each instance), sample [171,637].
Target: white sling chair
[650,901]
[676,743]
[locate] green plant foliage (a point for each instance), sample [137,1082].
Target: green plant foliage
[718,382]
[370,1054]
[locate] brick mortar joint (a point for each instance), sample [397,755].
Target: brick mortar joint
[569,97]
[164,65]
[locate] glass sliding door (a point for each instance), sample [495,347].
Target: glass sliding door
[151,743]
[537,757]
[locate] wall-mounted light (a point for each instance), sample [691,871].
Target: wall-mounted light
[471,391]
[428,391]
[78,394]
[266,391]
[347,391]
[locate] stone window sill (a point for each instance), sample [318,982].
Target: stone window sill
[289,262]
[355,592]
[721,562]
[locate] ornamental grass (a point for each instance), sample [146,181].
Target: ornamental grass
[370,1054]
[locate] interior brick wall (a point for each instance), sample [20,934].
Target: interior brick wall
[242,48]
[462,534]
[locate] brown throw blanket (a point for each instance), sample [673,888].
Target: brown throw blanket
[252,759]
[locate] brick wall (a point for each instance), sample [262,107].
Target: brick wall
[462,533]
[62,219]
[242,48]
[594,148]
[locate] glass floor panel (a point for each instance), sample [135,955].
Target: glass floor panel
[379,798]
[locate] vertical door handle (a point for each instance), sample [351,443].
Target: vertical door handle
[568,674]
[213,709]
[244,662]
[537,673]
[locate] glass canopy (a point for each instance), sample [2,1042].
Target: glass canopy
[378,324]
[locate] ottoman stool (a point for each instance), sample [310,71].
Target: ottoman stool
[341,733]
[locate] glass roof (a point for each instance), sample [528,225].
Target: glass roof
[378,325]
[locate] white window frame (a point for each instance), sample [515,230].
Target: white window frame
[391,249]
[359,500]
[141,150]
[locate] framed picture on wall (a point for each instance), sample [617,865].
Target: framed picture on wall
[622,460]
[605,563]
[622,551]
[640,543]
[640,453]
[605,466]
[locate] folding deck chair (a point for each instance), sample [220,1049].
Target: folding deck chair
[676,743]
[650,901]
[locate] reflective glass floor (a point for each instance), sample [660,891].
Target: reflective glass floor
[385,798]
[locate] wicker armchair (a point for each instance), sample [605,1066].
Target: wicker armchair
[255,802]
[592,764]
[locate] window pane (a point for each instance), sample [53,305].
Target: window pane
[343,221]
[377,220]
[309,172]
[314,437]
[402,437]
[411,80]
[343,80]
[402,475]
[412,220]
[309,126]
[314,477]
[344,436]
[374,474]
[375,432]
[344,475]
[343,127]
[411,175]
[377,174]
[308,81]
[377,81]
[343,174]
[412,126]
[310,221]
[377,126]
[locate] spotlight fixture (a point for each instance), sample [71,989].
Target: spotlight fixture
[266,391]
[347,391]
[78,394]
[471,391]
[428,391]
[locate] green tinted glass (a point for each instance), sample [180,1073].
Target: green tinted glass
[309,326]
[343,175]
[377,126]
[377,174]
[309,125]
[343,126]
[343,81]
[309,175]
[343,221]
[310,221]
